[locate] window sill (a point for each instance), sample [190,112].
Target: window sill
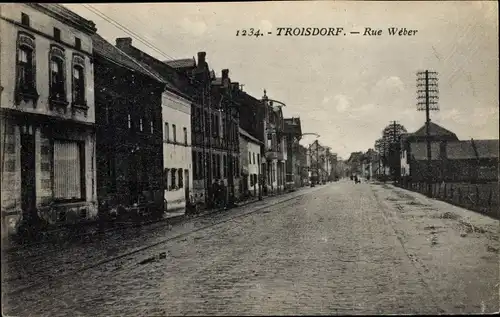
[27,95]
[75,201]
[54,103]
[80,106]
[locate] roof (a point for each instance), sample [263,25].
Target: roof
[181,63]
[248,136]
[487,148]
[434,130]
[65,15]
[111,52]
[457,150]
[463,150]
[217,81]
[292,125]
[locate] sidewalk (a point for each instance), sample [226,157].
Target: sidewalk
[452,248]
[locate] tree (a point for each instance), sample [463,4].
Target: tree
[391,136]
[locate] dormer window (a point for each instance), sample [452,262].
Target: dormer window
[25,19]
[57,78]
[57,34]
[78,43]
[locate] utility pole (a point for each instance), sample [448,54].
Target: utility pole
[428,96]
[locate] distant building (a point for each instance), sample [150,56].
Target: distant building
[275,148]
[47,115]
[214,122]
[293,134]
[451,159]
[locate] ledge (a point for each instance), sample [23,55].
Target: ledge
[27,95]
[54,103]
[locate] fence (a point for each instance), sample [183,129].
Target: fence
[482,197]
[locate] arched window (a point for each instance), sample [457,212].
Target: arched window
[57,75]
[78,81]
[25,66]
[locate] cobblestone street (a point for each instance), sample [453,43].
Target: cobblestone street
[341,248]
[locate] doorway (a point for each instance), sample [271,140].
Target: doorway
[28,174]
[186,185]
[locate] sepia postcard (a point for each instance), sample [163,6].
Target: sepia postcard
[249,158]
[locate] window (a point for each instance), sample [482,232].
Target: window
[201,167]
[174,132]
[214,166]
[78,43]
[181,181]
[25,19]
[258,158]
[78,80]
[57,80]
[68,170]
[165,179]
[249,157]
[213,124]
[151,127]
[218,166]
[253,158]
[195,165]
[225,166]
[166,131]
[185,136]
[129,121]
[57,34]
[26,70]
[207,123]
[140,124]
[172,183]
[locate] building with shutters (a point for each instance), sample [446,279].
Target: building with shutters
[47,116]
[250,162]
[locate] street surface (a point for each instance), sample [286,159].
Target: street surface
[341,248]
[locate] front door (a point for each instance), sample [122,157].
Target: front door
[186,185]
[28,175]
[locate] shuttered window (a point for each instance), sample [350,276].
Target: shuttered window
[67,170]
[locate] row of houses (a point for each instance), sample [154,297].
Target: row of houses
[452,160]
[87,124]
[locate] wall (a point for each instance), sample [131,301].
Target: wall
[177,110]
[45,24]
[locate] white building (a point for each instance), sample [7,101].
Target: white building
[250,162]
[177,156]
[47,115]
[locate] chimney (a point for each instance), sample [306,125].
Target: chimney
[201,58]
[225,73]
[122,42]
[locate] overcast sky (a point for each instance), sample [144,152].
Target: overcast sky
[345,88]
